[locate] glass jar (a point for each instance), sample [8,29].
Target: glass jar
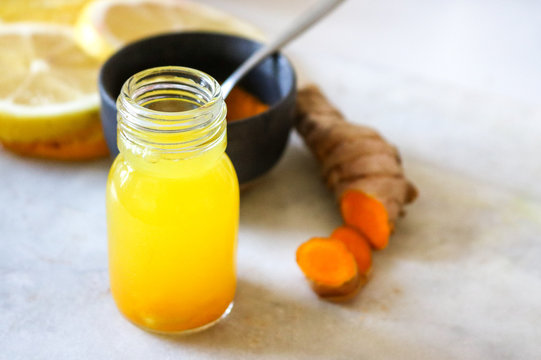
[172,203]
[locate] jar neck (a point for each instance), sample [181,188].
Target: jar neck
[171,113]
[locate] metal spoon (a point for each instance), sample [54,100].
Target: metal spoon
[317,12]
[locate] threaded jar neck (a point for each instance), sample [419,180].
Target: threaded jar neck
[170,112]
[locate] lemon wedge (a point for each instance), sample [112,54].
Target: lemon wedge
[47,84]
[106,25]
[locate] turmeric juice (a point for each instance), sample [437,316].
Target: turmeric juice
[172,203]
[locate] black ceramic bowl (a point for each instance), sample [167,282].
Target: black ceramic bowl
[256,143]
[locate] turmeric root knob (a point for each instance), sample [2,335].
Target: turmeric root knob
[330,268]
[358,164]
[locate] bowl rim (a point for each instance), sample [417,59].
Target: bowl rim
[105,93]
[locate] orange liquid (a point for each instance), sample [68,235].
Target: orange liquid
[172,241]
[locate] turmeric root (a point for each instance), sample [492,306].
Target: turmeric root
[330,268]
[358,164]
[357,245]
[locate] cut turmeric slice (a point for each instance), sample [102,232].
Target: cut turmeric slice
[367,215]
[330,268]
[357,245]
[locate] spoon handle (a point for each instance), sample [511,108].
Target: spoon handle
[320,10]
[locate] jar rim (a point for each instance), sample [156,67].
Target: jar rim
[142,128]
[130,86]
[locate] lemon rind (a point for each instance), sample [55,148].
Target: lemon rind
[45,122]
[99,43]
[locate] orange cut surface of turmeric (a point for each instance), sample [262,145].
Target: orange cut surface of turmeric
[366,214]
[357,245]
[330,267]
[241,104]
[326,261]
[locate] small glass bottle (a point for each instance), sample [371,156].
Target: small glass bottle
[172,203]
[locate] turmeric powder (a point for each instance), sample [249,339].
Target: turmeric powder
[241,104]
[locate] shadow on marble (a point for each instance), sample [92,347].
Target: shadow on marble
[268,322]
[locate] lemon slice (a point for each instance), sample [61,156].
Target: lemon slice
[47,84]
[56,11]
[106,25]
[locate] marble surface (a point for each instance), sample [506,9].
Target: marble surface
[454,84]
